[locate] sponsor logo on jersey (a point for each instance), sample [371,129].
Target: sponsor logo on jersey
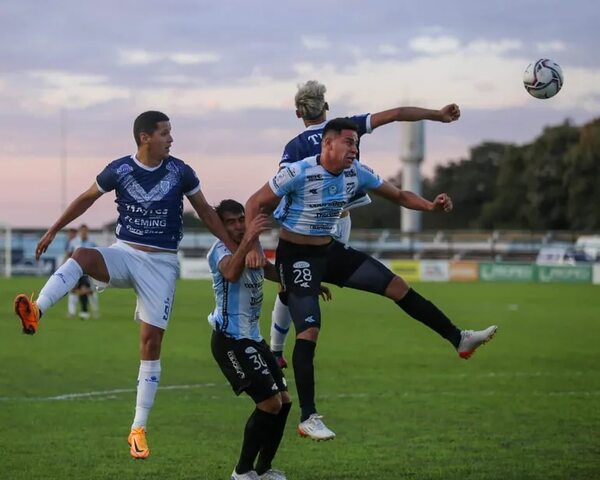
[124,169]
[350,173]
[301,264]
[332,189]
[314,178]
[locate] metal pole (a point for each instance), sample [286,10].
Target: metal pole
[63,159]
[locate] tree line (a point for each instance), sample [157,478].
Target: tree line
[552,183]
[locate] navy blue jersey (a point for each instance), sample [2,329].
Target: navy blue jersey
[308,144]
[149,200]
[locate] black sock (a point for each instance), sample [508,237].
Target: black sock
[84,300]
[271,444]
[304,373]
[283,296]
[426,312]
[258,428]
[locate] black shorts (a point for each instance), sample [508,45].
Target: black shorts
[249,366]
[302,269]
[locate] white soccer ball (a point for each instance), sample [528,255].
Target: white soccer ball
[543,79]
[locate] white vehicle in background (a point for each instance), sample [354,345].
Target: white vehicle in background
[562,256]
[590,244]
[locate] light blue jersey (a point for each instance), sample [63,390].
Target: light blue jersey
[313,198]
[308,143]
[238,304]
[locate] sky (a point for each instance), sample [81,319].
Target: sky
[74,75]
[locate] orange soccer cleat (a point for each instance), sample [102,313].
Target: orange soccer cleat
[28,312]
[138,444]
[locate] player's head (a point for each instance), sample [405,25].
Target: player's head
[310,101]
[340,142]
[71,233]
[152,131]
[83,231]
[233,217]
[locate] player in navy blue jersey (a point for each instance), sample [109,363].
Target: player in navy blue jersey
[312,108]
[149,187]
[315,191]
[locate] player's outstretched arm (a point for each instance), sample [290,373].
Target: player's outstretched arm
[73,211]
[447,114]
[211,219]
[408,199]
[232,266]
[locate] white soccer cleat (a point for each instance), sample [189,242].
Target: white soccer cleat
[251,475]
[273,475]
[314,428]
[473,339]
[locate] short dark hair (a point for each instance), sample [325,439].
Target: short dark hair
[339,124]
[147,123]
[228,206]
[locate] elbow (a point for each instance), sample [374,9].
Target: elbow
[232,277]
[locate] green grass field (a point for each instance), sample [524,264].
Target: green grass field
[526,406]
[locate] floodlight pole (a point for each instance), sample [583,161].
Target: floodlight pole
[412,152]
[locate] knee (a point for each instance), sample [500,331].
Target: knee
[150,343]
[83,257]
[271,405]
[310,334]
[285,397]
[396,289]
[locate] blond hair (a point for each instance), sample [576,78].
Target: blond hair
[310,99]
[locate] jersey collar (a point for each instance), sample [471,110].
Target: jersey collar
[145,167]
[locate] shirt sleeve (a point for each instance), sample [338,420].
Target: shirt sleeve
[363,122]
[216,254]
[190,181]
[289,155]
[285,180]
[107,179]
[367,178]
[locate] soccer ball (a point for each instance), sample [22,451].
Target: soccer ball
[543,79]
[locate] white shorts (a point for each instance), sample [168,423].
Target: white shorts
[152,275]
[342,230]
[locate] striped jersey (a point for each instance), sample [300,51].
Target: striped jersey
[313,198]
[149,200]
[238,304]
[308,143]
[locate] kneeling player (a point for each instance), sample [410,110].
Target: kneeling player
[239,349]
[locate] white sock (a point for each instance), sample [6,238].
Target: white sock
[280,325]
[148,378]
[72,304]
[59,284]
[94,302]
